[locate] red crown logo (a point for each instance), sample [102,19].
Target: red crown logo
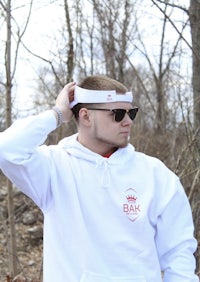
[109,97]
[131,198]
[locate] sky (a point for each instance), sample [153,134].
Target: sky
[45,22]
[43,25]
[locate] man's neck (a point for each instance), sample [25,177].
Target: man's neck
[104,150]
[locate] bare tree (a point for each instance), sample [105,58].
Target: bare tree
[194,16]
[160,69]
[113,33]
[70,53]
[9,78]
[56,71]
[191,152]
[12,252]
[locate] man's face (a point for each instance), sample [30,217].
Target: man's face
[105,131]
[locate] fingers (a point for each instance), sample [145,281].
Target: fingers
[64,98]
[71,92]
[69,86]
[67,94]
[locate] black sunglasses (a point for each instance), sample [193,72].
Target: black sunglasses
[119,114]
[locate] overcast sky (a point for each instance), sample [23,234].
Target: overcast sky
[45,23]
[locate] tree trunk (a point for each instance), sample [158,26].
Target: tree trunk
[12,239]
[70,53]
[194,14]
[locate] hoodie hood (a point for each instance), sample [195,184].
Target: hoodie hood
[122,155]
[74,148]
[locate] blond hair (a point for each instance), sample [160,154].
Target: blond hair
[100,82]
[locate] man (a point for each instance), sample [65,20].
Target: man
[111,214]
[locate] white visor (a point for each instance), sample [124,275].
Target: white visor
[82,95]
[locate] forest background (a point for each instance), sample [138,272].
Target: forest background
[152,46]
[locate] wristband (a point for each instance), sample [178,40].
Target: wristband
[59,116]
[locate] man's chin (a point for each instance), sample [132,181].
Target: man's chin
[123,145]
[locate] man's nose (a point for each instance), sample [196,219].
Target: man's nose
[127,120]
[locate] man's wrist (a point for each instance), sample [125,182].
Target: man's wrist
[58,115]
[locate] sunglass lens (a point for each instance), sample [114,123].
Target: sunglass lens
[119,114]
[133,113]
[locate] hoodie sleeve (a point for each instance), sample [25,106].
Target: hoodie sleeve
[174,239]
[21,158]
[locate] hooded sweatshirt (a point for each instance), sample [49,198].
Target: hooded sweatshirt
[124,218]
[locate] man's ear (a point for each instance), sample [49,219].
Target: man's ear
[84,116]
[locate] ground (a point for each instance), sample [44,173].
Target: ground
[29,237]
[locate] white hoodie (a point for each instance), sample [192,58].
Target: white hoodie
[118,219]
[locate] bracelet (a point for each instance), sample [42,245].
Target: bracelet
[59,116]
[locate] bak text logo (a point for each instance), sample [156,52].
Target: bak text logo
[131,207]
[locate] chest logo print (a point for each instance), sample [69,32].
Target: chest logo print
[131,206]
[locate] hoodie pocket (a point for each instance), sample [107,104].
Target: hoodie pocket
[93,277]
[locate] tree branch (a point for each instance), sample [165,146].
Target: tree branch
[174,6]
[45,60]
[171,22]
[19,38]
